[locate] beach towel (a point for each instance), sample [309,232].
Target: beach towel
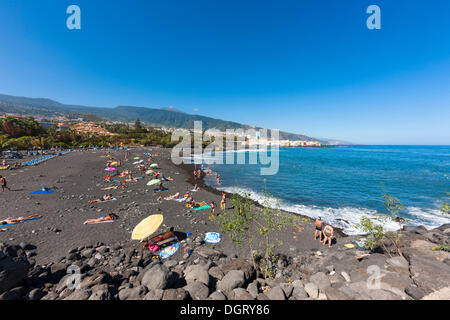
[13,224]
[202,208]
[156,190]
[361,243]
[43,192]
[169,251]
[179,200]
[213,237]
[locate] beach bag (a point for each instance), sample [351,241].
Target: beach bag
[153,247]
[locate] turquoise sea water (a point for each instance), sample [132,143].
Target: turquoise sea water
[342,183]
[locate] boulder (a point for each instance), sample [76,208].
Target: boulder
[233,279]
[321,280]
[79,295]
[312,290]
[197,290]
[398,264]
[415,292]
[13,268]
[276,294]
[156,294]
[137,293]
[196,273]
[216,272]
[217,295]
[242,265]
[156,278]
[175,294]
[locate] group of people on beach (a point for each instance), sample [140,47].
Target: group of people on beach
[325,232]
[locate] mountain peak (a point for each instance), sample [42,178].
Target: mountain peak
[171,108]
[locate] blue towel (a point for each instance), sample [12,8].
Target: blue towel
[43,192]
[202,208]
[13,224]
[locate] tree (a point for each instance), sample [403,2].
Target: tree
[255,227]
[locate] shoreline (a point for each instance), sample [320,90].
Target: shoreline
[60,239]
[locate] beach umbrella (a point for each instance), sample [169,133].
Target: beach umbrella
[154,181]
[154,165]
[147,227]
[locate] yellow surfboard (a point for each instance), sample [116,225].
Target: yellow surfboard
[147,227]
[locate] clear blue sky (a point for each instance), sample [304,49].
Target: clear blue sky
[308,66]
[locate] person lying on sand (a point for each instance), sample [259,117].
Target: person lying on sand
[175,196]
[18,220]
[109,217]
[196,188]
[319,227]
[104,198]
[328,235]
[161,187]
[114,187]
[159,238]
[166,179]
[187,194]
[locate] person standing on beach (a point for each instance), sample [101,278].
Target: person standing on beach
[4,184]
[223,202]
[328,235]
[319,226]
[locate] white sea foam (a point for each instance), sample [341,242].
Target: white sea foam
[347,218]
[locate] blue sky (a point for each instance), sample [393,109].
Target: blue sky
[308,67]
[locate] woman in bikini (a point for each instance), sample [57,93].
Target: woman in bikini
[18,220]
[223,202]
[104,198]
[109,217]
[328,235]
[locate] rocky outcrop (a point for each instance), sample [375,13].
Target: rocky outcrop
[121,272]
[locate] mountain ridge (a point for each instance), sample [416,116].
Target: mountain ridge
[153,116]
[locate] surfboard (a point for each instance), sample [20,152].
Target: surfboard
[169,251]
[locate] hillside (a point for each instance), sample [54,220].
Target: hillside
[158,117]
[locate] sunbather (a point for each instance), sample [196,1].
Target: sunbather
[18,220]
[104,198]
[175,196]
[109,217]
[114,187]
[160,238]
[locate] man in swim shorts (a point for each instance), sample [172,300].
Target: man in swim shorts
[319,226]
[4,183]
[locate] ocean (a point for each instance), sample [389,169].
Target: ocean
[343,183]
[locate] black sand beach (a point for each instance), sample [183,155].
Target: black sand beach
[37,254]
[77,177]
